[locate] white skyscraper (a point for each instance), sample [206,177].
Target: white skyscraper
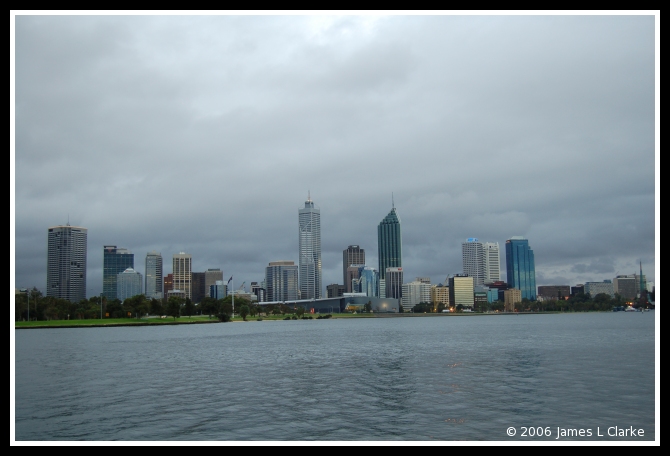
[491,262]
[473,260]
[309,244]
[153,276]
[66,262]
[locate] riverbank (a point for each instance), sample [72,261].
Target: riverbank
[157,321]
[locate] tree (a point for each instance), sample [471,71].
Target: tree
[244,311]
[300,311]
[189,308]
[156,306]
[114,308]
[208,306]
[173,307]
[136,305]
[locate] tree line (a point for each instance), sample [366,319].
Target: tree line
[580,302]
[50,308]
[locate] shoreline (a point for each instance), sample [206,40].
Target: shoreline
[333,316]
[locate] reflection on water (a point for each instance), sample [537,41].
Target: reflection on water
[438,378]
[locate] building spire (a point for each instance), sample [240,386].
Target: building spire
[392,201]
[309,198]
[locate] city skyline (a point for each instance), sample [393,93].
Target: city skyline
[489,126]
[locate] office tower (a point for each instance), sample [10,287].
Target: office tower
[414,293]
[473,260]
[626,285]
[596,288]
[167,285]
[153,275]
[309,243]
[350,256]
[394,278]
[197,287]
[439,294]
[218,290]
[259,290]
[335,290]
[182,275]
[461,291]
[512,299]
[211,276]
[281,281]
[491,262]
[66,262]
[521,267]
[389,245]
[368,281]
[352,275]
[115,260]
[558,292]
[128,284]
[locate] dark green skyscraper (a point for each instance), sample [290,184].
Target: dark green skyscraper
[115,261]
[389,243]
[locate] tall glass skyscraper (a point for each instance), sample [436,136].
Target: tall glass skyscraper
[389,243]
[66,262]
[521,267]
[153,275]
[115,261]
[309,244]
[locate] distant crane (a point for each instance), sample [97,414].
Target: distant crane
[241,287]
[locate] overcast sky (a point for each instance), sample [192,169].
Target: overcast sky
[204,134]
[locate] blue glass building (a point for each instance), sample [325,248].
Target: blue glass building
[368,281]
[115,261]
[521,267]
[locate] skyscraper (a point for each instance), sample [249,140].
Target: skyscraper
[394,281]
[128,284]
[491,262]
[153,275]
[473,260]
[115,260]
[198,287]
[66,262]
[368,281]
[309,244]
[281,281]
[182,277]
[461,291]
[351,255]
[389,245]
[521,267]
[211,276]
